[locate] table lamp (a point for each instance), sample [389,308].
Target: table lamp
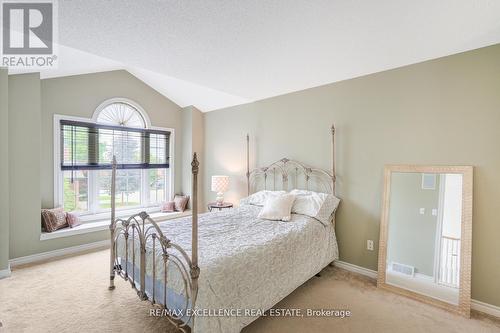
[220,184]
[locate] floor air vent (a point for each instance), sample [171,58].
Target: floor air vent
[403,269]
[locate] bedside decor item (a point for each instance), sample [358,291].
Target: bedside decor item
[426,235]
[215,205]
[73,220]
[220,184]
[53,219]
[180,202]
[168,207]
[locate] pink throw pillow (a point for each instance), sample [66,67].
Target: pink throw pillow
[73,220]
[168,206]
[180,202]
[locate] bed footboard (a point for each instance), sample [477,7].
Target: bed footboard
[138,245]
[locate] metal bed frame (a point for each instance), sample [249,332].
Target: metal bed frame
[143,229]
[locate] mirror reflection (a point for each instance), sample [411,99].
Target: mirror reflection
[424,232]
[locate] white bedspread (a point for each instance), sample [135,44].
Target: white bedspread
[246,262]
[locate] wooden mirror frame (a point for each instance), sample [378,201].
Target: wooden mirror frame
[464,298]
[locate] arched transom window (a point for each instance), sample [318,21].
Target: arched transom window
[121,114]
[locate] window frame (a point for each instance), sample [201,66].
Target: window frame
[130,102]
[94,212]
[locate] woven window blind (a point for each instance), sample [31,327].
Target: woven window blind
[89,146]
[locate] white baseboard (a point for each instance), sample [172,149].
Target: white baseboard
[5,272]
[356,269]
[57,253]
[476,305]
[489,309]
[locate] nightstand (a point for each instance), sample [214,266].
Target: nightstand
[215,205]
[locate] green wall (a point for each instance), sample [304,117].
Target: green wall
[444,111]
[24,163]
[4,170]
[192,141]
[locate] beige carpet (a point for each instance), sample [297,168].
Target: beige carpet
[71,295]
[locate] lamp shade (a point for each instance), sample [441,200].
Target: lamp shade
[220,183]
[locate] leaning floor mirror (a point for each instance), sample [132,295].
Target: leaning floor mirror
[426,234]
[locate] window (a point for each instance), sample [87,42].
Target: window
[86,149]
[122,114]
[76,191]
[157,188]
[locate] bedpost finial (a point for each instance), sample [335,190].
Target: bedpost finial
[333,128]
[195,164]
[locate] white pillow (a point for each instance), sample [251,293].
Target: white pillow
[260,198]
[278,208]
[320,206]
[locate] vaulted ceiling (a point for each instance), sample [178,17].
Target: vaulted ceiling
[215,54]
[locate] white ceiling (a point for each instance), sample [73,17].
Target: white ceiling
[215,54]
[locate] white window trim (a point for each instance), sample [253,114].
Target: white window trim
[128,101]
[58,174]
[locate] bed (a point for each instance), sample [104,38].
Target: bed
[219,271]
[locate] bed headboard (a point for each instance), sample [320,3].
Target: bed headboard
[287,174]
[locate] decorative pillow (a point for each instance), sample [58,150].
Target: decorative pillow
[73,220]
[260,198]
[180,202]
[168,206]
[278,208]
[320,206]
[53,219]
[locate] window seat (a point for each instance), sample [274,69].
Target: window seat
[100,225]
